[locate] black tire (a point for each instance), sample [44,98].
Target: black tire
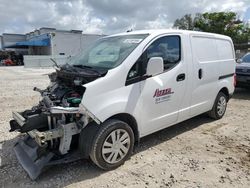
[104,135]
[86,138]
[215,113]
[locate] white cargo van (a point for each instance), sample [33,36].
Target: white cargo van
[122,88]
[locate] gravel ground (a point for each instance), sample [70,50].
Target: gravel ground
[196,153]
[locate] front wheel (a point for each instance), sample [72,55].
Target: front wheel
[112,145]
[219,107]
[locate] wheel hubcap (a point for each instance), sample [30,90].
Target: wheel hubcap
[116,146]
[221,107]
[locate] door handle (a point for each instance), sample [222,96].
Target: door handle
[180,77]
[200,73]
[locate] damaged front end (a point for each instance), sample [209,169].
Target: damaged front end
[51,128]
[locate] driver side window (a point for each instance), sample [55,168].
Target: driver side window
[168,48]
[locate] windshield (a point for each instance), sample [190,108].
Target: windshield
[246,58]
[108,53]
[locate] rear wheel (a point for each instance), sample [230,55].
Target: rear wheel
[112,145]
[219,107]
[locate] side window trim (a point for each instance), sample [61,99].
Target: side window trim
[143,77]
[166,35]
[180,49]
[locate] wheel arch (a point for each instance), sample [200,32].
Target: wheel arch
[225,91]
[131,121]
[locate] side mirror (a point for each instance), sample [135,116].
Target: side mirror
[239,60]
[155,66]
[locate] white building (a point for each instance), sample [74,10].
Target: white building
[9,39]
[40,45]
[1,38]
[49,41]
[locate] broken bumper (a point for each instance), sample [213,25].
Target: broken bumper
[36,150]
[22,124]
[26,151]
[34,159]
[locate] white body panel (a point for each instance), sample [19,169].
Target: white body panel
[213,60]
[181,100]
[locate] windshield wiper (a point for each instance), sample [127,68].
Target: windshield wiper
[55,63]
[83,66]
[88,68]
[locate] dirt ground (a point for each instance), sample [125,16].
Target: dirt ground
[196,153]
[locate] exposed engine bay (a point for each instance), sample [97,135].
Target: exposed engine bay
[52,127]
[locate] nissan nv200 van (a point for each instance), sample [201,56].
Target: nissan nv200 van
[120,89]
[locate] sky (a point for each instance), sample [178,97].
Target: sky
[106,16]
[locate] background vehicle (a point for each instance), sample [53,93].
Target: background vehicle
[10,58]
[8,62]
[124,87]
[243,71]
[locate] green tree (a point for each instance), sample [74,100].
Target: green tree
[186,22]
[226,23]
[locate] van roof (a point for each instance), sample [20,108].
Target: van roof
[176,31]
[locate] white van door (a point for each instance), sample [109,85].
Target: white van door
[162,95]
